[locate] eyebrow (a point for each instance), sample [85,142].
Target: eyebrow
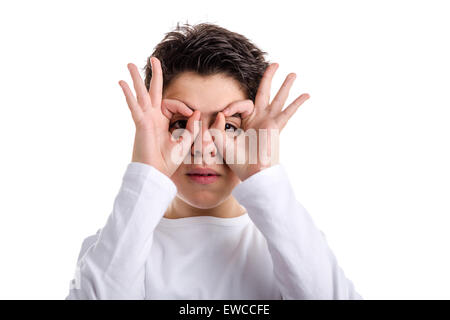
[236,115]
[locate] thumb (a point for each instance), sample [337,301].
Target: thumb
[219,136]
[189,135]
[182,139]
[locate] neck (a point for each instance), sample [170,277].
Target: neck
[227,209]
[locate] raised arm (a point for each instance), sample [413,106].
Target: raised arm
[111,263]
[304,265]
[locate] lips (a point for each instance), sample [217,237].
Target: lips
[203,175]
[203,172]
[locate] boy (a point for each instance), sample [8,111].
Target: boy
[207,228]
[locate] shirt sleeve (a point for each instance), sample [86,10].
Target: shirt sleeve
[304,265]
[111,263]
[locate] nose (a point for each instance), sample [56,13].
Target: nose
[203,145]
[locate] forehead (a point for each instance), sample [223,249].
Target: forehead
[208,94]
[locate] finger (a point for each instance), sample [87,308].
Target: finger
[287,113]
[190,134]
[280,99]
[171,106]
[142,95]
[219,135]
[135,109]
[263,95]
[244,107]
[156,82]
[181,139]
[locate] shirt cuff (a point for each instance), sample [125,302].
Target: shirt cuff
[138,171]
[266,178]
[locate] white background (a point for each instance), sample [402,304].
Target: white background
[368,153]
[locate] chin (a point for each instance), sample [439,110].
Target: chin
[203,200]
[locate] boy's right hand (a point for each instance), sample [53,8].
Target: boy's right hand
[153,143]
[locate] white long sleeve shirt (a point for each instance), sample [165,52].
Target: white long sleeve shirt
[273,251]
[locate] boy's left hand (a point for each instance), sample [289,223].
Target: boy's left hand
[260,115]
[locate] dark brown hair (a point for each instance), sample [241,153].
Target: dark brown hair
[208,49]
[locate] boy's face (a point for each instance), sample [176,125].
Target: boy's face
[209,95]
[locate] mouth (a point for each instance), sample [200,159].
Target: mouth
[203,176]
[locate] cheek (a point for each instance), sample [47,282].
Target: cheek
[231,179]
[177,176]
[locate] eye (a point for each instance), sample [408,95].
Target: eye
[179,124]
[228,125]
